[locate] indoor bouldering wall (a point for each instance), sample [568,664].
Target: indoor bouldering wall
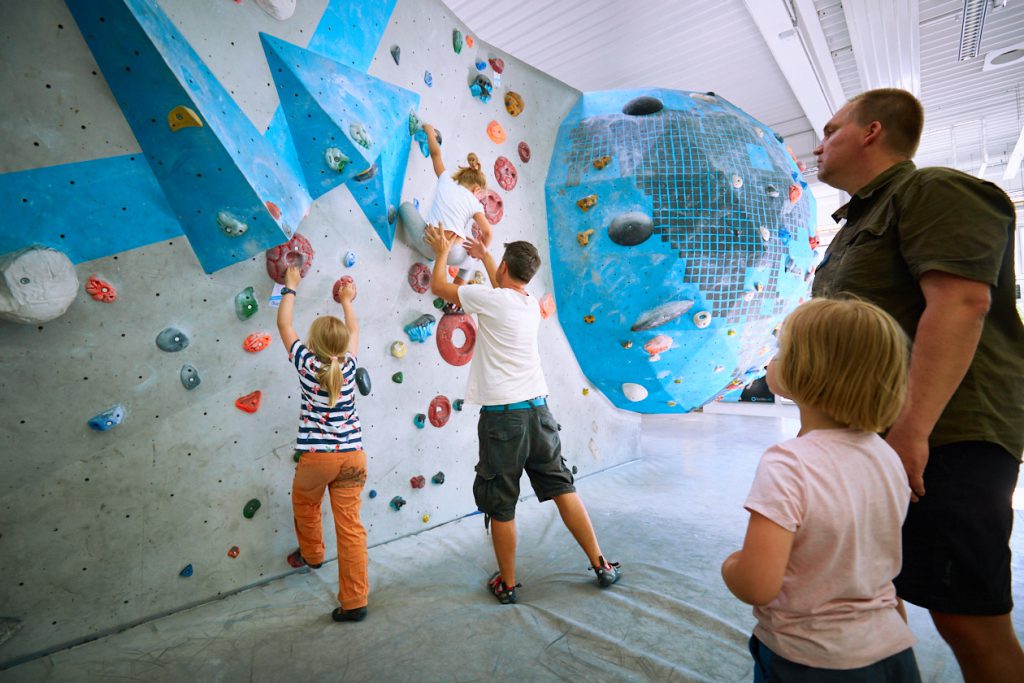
[150,509]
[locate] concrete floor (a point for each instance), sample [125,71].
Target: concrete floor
[670,518]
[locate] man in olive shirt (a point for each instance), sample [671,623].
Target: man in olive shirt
[934,247]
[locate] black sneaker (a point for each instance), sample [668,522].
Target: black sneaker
[357,614]
[505,594]
[298,561]
[607,572]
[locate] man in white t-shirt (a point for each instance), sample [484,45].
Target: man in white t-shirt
[516,429]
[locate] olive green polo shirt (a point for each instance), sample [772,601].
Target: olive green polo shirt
[909,221]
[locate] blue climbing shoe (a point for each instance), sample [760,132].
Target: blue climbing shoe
[505,594]
[607,572]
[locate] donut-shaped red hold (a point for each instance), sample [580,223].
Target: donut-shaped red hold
[524,152]
[505,173]
[295,252]
[494,207]
[439,412]
[419,277]
[342,281]
[446,328]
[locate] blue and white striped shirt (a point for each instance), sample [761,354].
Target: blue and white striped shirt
[322,428]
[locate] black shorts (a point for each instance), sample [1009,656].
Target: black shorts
[512,441]
[956,539]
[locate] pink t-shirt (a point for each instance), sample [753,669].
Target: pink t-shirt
[844,493]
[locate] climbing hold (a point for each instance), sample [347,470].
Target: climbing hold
[440,411]
[392,214]
[524,152]
[438,303]
[171,339]
[702,319]
[547,306]
[396,53]
[513,103]
[250,508]
[574,469]
[643,106]
[494,207]
[350,259]
[588,319]
[398,378]
[340,284]
[658,345]
[495,132]
[731,333]
[363,381]
[450,322]
[189,377]
[426,518]
[813,241]
[630,229]
[419,277]
[480,65]
[396,503]
[634,392]
[100,290]
[249,403]
[421,328]
[187,571]
[420,420]
[414,123]
[335,159]
[457,41]
[737,182]
[458,403]
[794,194]
[296,252]
[677,381]
[246,304]
[428,79]
[230,225]
[478,278]
[183,117]
[233,551]
[38,285]
[398,349]
[469,41]
[357,131]
[505,173]
[498,64]
[671,404]
[601,162]
[373,493]
[256,342]
[771,191]
[584,237]
[659,315]
[765,233]
[481,88]
[438,478]
[587,202]
[298,454]
[627,343]
[278,9]
[274,209]
[108,419]
[368,174]
[586,391]
[418,482]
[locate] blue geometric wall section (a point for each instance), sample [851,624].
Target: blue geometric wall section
[231,190]
[679,229]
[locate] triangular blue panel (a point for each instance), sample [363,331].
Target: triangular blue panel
[218,176]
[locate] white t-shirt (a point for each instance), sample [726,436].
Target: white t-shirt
[844,493]
[506,360]
[454,206]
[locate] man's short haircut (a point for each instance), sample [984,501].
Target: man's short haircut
[846,357]
[522,260]
[899,112]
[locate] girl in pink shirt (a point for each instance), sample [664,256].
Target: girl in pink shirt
[823,542]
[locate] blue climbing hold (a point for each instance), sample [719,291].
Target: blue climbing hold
[108,419]
[420,420]
[457,403]
[420,329]
[186,572]
[373,493]
[397,502]
[428,79]
[172,339]
[350,259]
[190,378]
[481,65]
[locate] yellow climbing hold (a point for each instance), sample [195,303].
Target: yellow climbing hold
[183,117]
[426,518]
[585,391]
[584,237]
[587,202]
[588,319]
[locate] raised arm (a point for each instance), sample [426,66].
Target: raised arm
[478,250]
[292,278]
[442,244]
[347,294]
[435,149]
[486,232]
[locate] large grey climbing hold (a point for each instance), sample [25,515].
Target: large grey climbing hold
[631,229]
[36,285]
[230,225]
[8,627]
[643,106]
[363,381]
[396,53]
[659,315]
[172,339]
[190,378]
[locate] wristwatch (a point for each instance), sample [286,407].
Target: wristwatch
[288,290]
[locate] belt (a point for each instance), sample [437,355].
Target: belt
[522,405]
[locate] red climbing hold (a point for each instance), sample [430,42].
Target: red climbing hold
[419,277]
[100,290]
[450,322]
[547,306]
[233,551]
[342,281]
[494,207]
[249,403]
[497,63]
[418,482]
[439,412]
[505,173]
[295,252]
[813,241]
[274,210]
[524,152]
[256,342]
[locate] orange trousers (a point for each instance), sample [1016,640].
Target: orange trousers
[343,475]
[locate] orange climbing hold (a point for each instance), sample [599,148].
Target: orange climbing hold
[657,346]
[495,132]
[584,237]
[588,319]
[183,117]
[469,41]
[601,162]
[587,202]
[256,342]
[547,306]
[794,193]
[100,290]
[249,403]
[274,210]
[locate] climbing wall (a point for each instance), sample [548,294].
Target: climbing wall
[146,512]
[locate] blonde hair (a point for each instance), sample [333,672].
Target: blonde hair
[470,177]
[328,340]
[847,358]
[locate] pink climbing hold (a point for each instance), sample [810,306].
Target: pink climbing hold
[494,207]
[342,281]
[505,173]
[657,346]
[450,322]
[498,64]
[419,277]
[295,252]
[440,410]
[100,290]
[274,210]
[547,306]
[256,342]
[524,152]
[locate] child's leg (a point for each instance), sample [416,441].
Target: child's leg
[414,228]
[353,564]
[312,474]
[577,521]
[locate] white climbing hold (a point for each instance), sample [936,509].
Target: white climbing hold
[36,285]
[634,392]
[279,9]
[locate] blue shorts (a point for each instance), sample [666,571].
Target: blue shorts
[771,668]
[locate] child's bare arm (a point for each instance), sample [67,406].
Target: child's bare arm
[284,310]
[754,574]
[348,292]
[485,227]
[435,149]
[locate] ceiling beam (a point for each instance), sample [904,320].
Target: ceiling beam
[886,40]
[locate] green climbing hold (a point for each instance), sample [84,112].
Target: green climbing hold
[457,41]
[397,378]
[439,303]
[246,304]
[250,508]
[298,454]
[414,123]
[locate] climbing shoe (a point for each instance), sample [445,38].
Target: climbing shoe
[607,572]
[296,560]
[505,594]
[357,614]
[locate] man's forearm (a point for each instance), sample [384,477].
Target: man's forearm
[491,268]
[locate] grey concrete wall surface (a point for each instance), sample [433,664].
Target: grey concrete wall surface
[95,526]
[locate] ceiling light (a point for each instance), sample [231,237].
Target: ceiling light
[1003,57]
[971,28]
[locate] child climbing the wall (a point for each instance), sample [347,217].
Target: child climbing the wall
[455,207]
[329,446]
[823,542]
